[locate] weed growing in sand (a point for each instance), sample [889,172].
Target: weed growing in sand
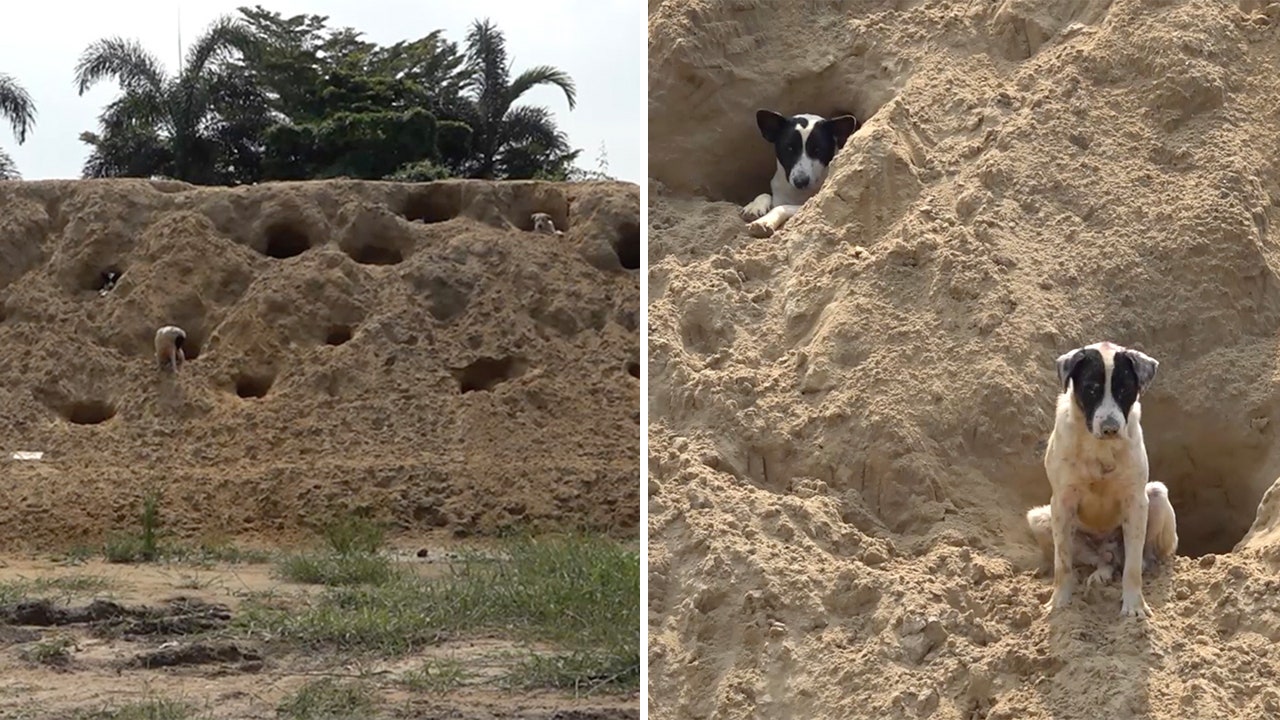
[328,699]
[55,651]
[436,676]
[59,589]
[210,553]
[143,546]
[153,709]
[351,558]
[580,593]
[354,535]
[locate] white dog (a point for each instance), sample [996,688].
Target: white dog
[1097,467]
[804,146]
[169,341]
[542,223]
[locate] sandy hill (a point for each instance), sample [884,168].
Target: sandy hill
[409,352]
[847,419]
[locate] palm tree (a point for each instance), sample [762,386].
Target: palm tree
[17,108]
[202,125]
[508,138]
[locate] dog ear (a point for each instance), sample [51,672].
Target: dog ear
[770,123]
[1067,364]
[1145,366]
[841,128]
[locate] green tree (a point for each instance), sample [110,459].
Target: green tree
[203,125]
[16,107]
[510,140]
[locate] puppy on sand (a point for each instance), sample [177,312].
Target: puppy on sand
[1097,466]
[169,341]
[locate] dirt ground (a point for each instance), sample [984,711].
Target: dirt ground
[847,420]
[411,354]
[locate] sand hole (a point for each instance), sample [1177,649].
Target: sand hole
[88,412]
[253,385]
[193,345]
[487,373]
[433,204]
[103,278]
[338,334]
[286,240]
[375,252]
[627,245]
[633,369]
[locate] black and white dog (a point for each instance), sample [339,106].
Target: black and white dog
[804,145]
[1098,474]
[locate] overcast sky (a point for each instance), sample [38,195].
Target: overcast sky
[600,43]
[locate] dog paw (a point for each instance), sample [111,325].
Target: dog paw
[1135,606]
[1101,576]
[760,229]
[755,209]
[1060,599]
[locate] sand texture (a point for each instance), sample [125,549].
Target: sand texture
[847,420]
[408,352]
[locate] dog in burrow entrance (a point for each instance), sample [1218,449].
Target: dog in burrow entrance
[1096,462]
[804,146]
[169,342]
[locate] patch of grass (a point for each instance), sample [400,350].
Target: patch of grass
[581,593]
[52,651]
[210,553]
[144,545]
[436,676]
[152,709]
[328,699]
[53,588]
[339,569]
[354,535]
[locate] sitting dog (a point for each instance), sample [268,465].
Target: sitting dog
[1097,467]
[169,341]
[1104,552]
[804,146]
[542,223]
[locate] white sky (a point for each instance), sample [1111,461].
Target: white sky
[600,43]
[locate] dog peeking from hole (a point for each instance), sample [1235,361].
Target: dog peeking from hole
[169,342]
[804,146]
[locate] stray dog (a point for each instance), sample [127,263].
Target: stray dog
[804,146]
[542,223]
[1104,552]
[109,280]
[169,341]
[1097,467]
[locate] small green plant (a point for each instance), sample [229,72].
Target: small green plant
[151,709]
[54,651]
[62,588]
[436,676]
[352,535]
[337,569]
[145,545]
[328,699]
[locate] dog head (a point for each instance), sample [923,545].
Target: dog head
[542,223]
[805,144]
[1105,381]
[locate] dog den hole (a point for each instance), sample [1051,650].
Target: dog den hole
[253,385]
[432,204]
[487,373]
[338,335]
[192,345]
[1215,481]
[88,412]
[374,251]
[285,240]
[627,245]
[97,279]
[633,369]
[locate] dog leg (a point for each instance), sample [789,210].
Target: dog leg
[773,221]
[1162,526]
[758,207]
[1132,603]
[1062,520]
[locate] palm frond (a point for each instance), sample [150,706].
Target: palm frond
[17,107]
[224,35]
[136,69]
[543,75]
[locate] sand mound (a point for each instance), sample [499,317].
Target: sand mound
[404,351]
[848,419]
